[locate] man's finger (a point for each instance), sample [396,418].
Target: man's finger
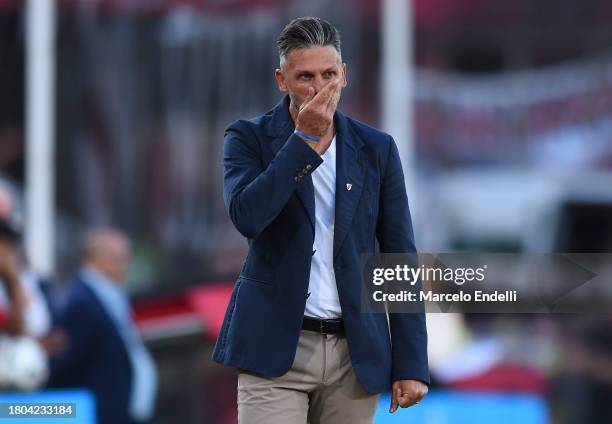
[394,395]
[334,99]
[309,97]
[323,96]
[405,401]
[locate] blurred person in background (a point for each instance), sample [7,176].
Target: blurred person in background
[311,190]
[23,307]
[583,388]
[12,296]
[36,311]
[104,352]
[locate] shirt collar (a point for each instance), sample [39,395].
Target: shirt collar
[110,292]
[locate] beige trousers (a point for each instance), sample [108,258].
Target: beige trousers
[320,388]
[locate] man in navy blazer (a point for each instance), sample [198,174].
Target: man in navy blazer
[312,190]
[104,354]
[103,368]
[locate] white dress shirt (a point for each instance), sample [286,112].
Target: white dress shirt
[323,301]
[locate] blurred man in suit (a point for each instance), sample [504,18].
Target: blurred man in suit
[312,190]
[105,353]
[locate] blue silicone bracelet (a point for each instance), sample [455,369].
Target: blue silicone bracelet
[306,135]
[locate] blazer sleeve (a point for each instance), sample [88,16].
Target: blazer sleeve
[255,195]
[395,235]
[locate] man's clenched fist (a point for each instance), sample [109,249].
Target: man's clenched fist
[405,393]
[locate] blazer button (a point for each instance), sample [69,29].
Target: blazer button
[308,167]
[296,179]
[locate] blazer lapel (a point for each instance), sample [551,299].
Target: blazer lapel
[281,127]
[349,179]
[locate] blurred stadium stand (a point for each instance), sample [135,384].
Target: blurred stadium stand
[514,154]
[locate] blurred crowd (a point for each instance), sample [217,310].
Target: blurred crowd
[79,334]
[512,130]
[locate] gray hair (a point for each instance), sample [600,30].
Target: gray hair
[307,32]
[96,241]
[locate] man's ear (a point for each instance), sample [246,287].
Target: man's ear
[344,80]
[280,80]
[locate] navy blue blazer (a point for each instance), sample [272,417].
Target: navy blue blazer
[269,194]
[95,358]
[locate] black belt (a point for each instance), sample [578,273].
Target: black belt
[323,326]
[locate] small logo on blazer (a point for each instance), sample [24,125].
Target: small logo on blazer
[349,186]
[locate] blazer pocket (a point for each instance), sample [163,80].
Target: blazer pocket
[256,281]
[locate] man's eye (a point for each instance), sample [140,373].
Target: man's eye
[328,74]
[305,76]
